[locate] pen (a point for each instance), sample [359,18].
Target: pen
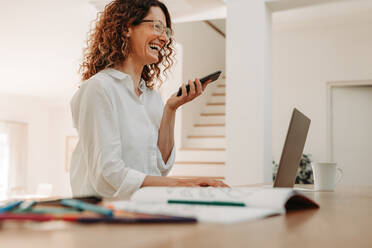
[9,206]
[211,203]
[87,206]
[125,220]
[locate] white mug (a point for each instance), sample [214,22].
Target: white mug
[325,175]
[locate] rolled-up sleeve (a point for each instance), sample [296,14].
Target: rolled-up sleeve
[99,132]
[165,167]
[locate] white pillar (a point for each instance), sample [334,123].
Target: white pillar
[248,92]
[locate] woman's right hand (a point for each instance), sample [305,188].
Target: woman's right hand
[199,182]
[178,182]
[195,90]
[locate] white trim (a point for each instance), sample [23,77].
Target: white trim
[13,122]
[329,106]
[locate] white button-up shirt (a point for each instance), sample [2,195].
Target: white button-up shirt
[118,136]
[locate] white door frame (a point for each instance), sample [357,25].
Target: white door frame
[329,106]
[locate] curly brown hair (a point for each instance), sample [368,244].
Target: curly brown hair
[108,45]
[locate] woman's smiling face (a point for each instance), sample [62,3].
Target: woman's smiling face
[145,43]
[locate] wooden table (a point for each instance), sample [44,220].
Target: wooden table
[343,220]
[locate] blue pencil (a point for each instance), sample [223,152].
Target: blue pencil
[9,206]
[87,206]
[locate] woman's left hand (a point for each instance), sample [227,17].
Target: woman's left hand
[176,101]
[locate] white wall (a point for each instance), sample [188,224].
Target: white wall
[203,53]
[304,59]
[41,48]
[41,45]
[60,126]
[47,128]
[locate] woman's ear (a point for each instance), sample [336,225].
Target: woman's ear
[129,31]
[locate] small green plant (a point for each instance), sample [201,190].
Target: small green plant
[304,172]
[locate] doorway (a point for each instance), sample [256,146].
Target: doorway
[350,119]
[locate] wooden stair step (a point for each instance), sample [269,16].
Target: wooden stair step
[212,114]
[205,136]
[212,119]
[215,103]
[221,86]
[218,94]
[210,125]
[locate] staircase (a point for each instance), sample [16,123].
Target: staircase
[204,151]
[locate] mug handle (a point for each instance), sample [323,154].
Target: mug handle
[340,174]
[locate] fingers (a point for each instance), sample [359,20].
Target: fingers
[205,182]
[217,183]
[183,95]
[222,184]
[195,89]
[192,89]
[199,87]
[202,182]
[184,91]
[206,84]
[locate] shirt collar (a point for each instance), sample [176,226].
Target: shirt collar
[116,73]
[121,75]
[142,86]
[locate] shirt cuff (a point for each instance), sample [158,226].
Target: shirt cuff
[165,167]
[131,183]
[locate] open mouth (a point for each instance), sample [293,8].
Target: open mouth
[155,47]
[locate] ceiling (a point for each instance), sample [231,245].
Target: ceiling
[185,10]
[196,10]
[330,13]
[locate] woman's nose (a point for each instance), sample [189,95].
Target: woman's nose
[164,38]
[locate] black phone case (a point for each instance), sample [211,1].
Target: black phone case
[214,76]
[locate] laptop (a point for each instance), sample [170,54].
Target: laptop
[292,150]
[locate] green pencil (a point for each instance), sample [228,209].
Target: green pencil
[212,203]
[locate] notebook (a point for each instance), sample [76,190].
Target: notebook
[216,205]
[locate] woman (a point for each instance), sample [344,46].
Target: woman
[126,134]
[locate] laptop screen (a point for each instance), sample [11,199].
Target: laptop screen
[292,150]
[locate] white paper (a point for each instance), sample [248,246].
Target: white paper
[252,197]
[203,213]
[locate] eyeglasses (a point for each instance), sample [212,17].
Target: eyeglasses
[159,28]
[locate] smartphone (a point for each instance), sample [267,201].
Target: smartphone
[213,77]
